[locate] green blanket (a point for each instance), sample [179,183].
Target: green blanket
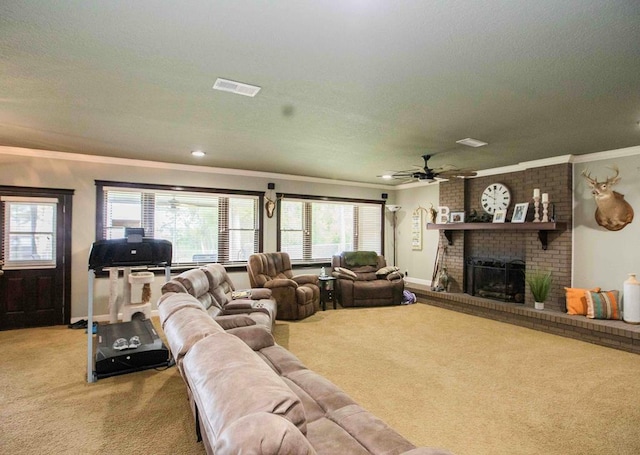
[360,258]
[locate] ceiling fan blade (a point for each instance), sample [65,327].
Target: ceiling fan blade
[456,173]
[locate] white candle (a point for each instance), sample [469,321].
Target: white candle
[545,197]
[536,192]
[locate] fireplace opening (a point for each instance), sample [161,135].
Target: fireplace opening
[496,279]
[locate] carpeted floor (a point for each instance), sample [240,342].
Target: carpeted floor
[475,386]
[440,378]
[47,406]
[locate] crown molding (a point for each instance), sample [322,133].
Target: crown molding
[97,159]
[617,153]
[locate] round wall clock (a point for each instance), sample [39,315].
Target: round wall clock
[495,197]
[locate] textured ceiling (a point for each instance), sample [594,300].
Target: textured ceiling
[350,89]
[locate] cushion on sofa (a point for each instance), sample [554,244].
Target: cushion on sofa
[231,321]
[329,396]
[256,336]
[281,360]
[360,258]
[341,272]
[393,276]
[577,300]
[384,271]
[173,286]
[172,302]
[229,381]
[603,305]
[195,281]
[260,293]
[262,433]
[187,327]
[370,431]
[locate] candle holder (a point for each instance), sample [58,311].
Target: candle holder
[545,212]
[536,209]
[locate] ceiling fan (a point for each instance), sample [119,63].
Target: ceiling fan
[426,173]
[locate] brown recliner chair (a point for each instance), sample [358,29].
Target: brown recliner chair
[363,279]
[297,296]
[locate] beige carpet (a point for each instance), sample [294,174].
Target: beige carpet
[47,406]
[440,378]
[475,386]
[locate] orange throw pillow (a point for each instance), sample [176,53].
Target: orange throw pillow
[577,300]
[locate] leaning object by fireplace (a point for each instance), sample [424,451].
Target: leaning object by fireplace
[498,279]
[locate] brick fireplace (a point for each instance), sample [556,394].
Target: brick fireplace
[508,245]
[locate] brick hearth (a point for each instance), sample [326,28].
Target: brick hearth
[613,334]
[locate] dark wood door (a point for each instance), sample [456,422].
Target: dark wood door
[35,257]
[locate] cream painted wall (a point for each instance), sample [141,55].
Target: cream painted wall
[31,168]
[602,257]
[419,263]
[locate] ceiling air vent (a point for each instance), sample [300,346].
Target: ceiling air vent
[471,142]
[236,87]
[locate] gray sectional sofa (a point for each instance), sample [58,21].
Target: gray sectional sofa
[250,395]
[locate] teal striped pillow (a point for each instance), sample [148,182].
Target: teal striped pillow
[603,305]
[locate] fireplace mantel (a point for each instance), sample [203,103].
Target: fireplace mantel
[542,228]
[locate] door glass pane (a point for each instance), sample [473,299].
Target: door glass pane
[30,234]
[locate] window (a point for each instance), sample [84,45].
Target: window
[202,225]
[29,232]
[314,230]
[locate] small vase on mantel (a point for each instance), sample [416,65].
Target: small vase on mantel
[631,295]
[538,305]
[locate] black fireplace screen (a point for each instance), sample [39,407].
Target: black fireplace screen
[496,279]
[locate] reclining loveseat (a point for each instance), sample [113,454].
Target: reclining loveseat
[364,279]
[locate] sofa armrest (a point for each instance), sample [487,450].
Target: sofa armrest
[256,336]
[239,304]
[394,276]
[342,276]
[232,321]
[262,433]
[306,279]
[260,293]
[280,283]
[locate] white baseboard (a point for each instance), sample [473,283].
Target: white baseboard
[418,281]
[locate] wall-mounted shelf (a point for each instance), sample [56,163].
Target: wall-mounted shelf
[542,228]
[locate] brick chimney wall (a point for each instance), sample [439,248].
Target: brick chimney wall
[464,195]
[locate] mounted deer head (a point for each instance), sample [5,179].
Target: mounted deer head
[613,212]
[270,206]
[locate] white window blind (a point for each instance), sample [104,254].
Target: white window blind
[202,227]
[312,230]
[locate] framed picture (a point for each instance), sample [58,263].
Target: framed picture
[499,216]
[456,217]
[520,213]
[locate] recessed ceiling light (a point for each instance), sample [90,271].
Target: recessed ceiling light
[471,142]
[198,153]
[238,88]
